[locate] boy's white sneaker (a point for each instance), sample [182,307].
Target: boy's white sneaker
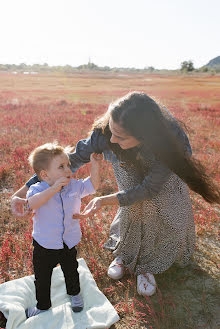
[116,269]
[146,284]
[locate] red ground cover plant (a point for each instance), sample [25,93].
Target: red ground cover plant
[39,109]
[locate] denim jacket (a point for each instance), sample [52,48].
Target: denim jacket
[152,183]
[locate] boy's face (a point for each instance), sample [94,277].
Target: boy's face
[59,167]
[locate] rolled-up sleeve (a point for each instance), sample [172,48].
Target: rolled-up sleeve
[86,187]
[32,191]
[148,189]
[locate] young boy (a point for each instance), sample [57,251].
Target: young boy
[54,200]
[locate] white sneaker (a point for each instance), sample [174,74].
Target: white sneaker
[116,269]
[146,284]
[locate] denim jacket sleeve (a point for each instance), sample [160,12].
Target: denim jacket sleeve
[33,180]
[95,143]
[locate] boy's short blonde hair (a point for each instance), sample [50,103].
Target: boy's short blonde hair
[40,158]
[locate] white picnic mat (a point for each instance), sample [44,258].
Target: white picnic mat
[17,295]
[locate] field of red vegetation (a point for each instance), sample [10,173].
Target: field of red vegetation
[42,108]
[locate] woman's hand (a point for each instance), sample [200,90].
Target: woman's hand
[92,207]
[95,204]
[19,206]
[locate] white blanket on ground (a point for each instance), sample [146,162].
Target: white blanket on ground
[17,295]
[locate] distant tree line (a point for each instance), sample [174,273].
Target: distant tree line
[186,67]
[67,68]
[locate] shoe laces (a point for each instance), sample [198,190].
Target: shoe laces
[118,263]
[146,280]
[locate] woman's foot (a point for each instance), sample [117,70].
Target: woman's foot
[32,311]
[116,269]
[77,303]
[146,284]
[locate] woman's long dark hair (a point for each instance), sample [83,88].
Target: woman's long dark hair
[151,124]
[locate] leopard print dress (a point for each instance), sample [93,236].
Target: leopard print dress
[152,235]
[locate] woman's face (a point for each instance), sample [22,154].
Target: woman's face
[120,136]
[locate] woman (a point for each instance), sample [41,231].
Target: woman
[151,158]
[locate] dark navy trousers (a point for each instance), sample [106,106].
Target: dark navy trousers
[44,260]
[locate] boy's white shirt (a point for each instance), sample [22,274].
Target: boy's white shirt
[52,222]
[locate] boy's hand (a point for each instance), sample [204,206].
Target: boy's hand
[62,181]
[96,158]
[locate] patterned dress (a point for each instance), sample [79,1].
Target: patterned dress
[153,234]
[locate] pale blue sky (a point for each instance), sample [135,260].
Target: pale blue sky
[125,33]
